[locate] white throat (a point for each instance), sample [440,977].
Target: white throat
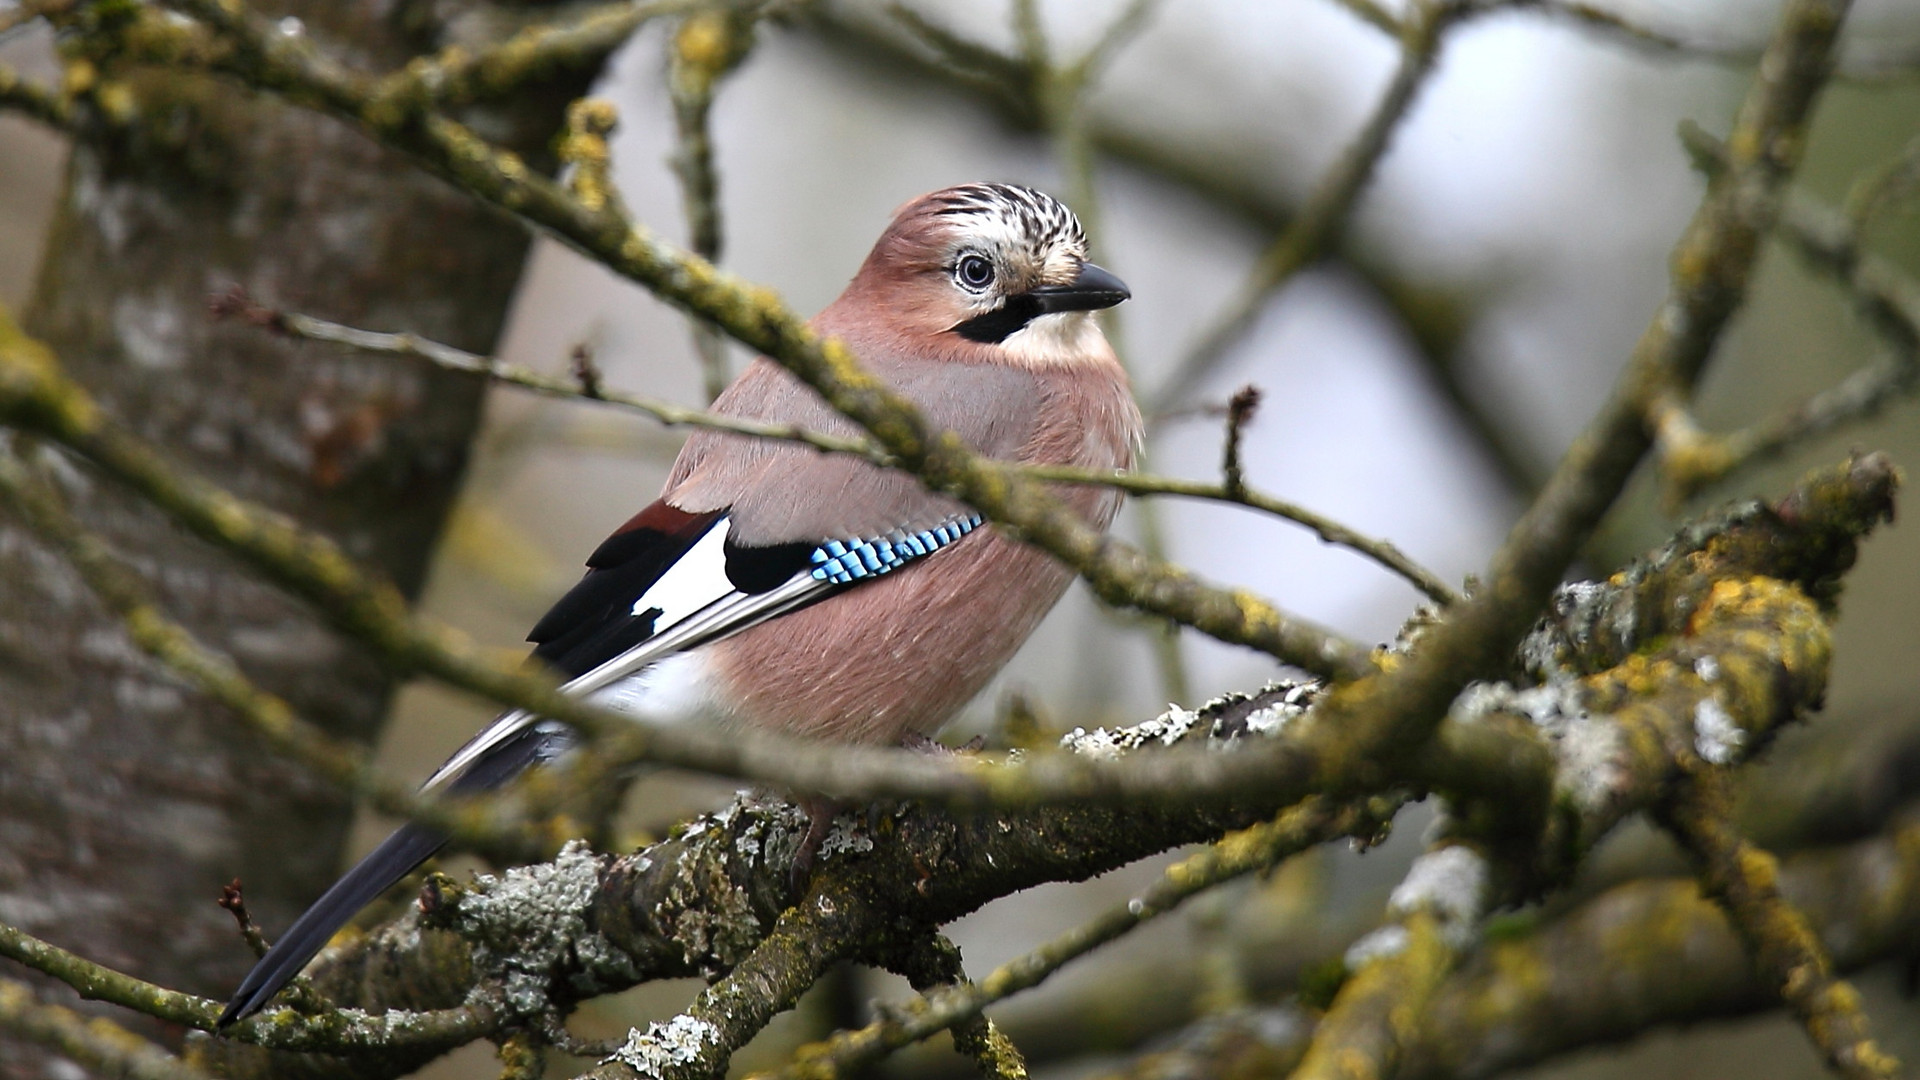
[1061,338]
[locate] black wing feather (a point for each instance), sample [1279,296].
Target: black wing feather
[594,622]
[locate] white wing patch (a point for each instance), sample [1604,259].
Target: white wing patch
[697,605]
[695,580]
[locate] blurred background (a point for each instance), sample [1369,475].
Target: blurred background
[1509,251]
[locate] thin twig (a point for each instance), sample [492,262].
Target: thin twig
[1323,217]
[584,385]
[1873,193]
[1240,409]
[1692,458]
[98,1044]
[1381,551]
[581,42]
[280,1029]
[709,45]
[234,902]
[1250,850]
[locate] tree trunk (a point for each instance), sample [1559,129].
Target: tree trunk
[126,801]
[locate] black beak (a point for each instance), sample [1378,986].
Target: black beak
[1091,290]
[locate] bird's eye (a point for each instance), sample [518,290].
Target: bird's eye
[974,272]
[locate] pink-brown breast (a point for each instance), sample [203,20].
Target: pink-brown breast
[904,653]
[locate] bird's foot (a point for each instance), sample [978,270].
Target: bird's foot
[926,744]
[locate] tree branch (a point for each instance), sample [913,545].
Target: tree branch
[1744,882]
[98,1044]
[1323,217]
[1691,459]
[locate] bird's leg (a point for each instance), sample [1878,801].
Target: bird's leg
[820,814]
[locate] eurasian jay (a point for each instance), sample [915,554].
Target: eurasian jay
[776,587]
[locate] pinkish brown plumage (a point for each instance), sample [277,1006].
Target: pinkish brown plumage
[950,624]
[772,586]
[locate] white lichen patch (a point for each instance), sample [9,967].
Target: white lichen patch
[680,1041]
[1388,941]
[1167,728]
[1708,668]
[846,837]
[1589,751]
[703,908]
[528,923]
[1716,737]
[1450,884]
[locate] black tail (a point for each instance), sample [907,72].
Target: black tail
[395,858]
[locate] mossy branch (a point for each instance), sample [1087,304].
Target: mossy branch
[1599,973]
[1744,881]
[540,53]
[95,1043]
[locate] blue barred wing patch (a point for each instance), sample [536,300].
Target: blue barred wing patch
[843,562]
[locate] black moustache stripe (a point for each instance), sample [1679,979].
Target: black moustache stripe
[1002,322]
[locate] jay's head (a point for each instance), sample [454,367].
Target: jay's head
[1002,266]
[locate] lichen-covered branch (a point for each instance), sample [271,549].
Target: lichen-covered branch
[1393,973]
[98,1044]
[708,899]
[1744,881]
[1698,652]
[1247,851]
[1395,711]
[1599,973]
[393,1036]
[580,42]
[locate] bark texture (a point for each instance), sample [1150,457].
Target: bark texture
[126,802]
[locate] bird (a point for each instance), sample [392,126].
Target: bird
[777,588]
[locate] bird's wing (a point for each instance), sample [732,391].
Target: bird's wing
[676,581]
